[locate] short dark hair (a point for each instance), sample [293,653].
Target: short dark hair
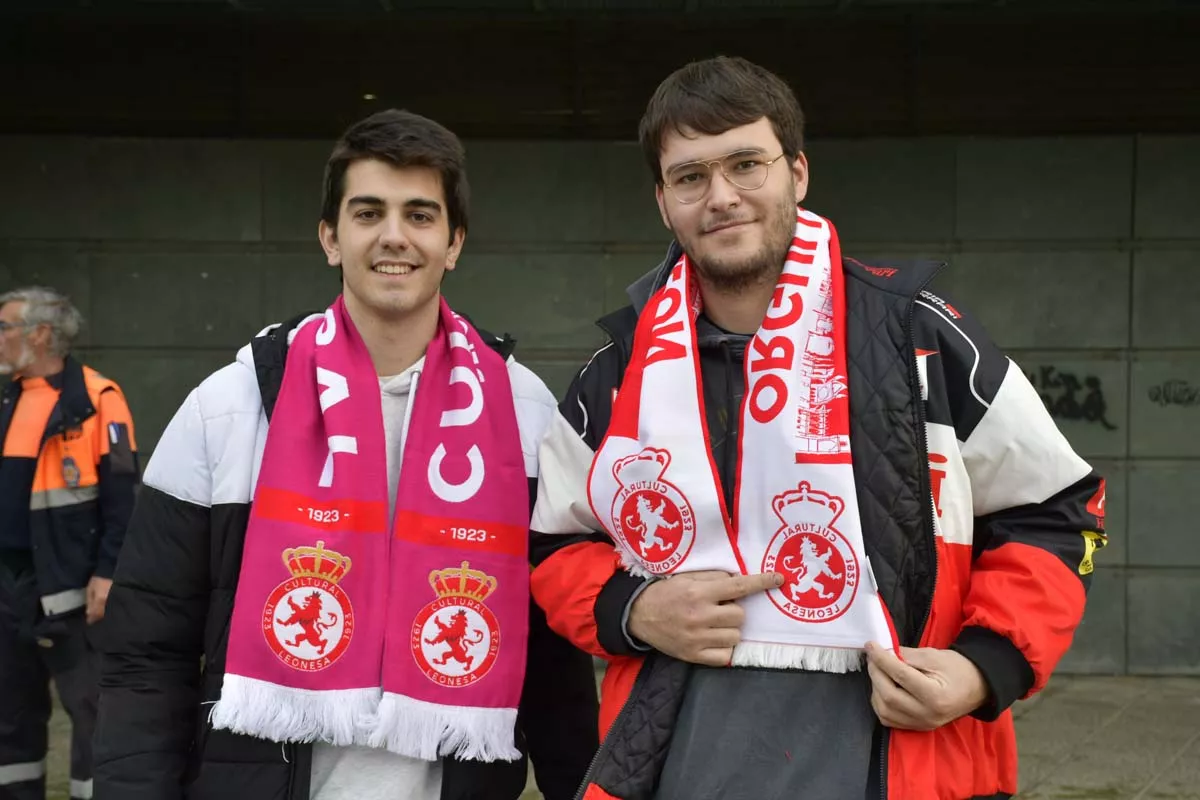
[716,95]
[402,139]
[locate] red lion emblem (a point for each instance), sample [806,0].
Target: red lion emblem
[455,636]
[308,617]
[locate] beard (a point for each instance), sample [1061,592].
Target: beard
[730,274]
[23,360]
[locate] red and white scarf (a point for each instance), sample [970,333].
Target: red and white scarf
[655,488]
[350,628]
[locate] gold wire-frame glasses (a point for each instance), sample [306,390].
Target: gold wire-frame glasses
[745,169]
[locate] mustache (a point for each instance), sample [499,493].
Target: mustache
[721,222]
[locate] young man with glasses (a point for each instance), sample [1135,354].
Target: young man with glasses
[67,478]
[823,530]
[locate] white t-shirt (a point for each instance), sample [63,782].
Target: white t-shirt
[366,773]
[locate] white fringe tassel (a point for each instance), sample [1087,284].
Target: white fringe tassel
[423,730]
[631,563]
[284,714]
[790,656]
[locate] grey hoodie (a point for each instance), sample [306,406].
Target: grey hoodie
[758,734]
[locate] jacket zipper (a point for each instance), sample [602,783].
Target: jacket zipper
[923,475]
[289,755]
[641,678]
[930,511]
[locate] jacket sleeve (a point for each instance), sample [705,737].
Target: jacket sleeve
[1038,510]
[559,710]
[150,674]
[119,477]
[577,577]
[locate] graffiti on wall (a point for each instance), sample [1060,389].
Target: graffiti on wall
[1175,392]
[1069,396]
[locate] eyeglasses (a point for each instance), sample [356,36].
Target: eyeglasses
[6,326]
[745,169]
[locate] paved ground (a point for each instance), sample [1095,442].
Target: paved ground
[1084,738]
[1111,738]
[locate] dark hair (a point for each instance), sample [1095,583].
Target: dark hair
[402,139]
[715,95]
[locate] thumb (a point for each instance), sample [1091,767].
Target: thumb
[926,659]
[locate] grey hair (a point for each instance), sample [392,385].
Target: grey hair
[45,306]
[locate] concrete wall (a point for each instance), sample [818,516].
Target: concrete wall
[1082,257]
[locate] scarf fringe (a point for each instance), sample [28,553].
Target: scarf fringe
[806,657]
[427,731]
[632,565]
[286,714]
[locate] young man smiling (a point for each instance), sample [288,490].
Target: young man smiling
[364,622]
[823,530]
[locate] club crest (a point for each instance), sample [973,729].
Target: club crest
[456,638]
[649,514]
[819,568]
[308,620]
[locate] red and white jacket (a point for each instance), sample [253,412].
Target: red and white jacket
[979,519]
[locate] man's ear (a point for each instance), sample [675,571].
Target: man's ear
[800,176]
[39,337]
[455,249]
[660,197]
[327,235]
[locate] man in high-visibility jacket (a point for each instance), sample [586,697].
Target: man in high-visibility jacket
[68,473]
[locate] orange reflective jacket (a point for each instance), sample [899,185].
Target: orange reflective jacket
[68,476]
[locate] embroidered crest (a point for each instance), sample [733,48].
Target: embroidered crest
[820,570]
[455,639]
[308,620]
[650,515]
[70,472]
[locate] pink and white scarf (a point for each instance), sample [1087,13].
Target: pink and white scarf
[654,487]
[350,628]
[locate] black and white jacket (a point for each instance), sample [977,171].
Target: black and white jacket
[979,520]
[171,605]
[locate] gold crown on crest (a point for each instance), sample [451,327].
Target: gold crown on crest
[462,582]
[316,562]
[806,504]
